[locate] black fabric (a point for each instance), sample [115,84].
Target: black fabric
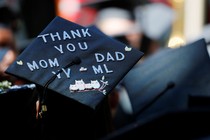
[186,124]
[67,119]
[17,119]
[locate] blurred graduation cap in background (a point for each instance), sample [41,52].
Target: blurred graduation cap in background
[170,86]
[74,68]
[186,68]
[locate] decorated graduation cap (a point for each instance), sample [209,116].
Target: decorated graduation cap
[78,62]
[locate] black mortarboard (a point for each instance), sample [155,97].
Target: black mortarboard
[78,62]
[169,93]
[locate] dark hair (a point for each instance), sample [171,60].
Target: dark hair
[8,17]
[145,43]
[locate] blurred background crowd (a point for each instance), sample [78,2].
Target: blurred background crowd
[144,24]
[148,25]
[141,23]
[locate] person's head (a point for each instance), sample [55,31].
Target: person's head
[120,24]
[156,21]
[8,52]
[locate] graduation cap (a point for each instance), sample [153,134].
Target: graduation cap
[164,81]
[78,62]
[169,93]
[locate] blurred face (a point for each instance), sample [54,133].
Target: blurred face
[6,37]
[7,53]
[134,39]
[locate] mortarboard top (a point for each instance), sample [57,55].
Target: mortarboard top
[176,74]
[78,62]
